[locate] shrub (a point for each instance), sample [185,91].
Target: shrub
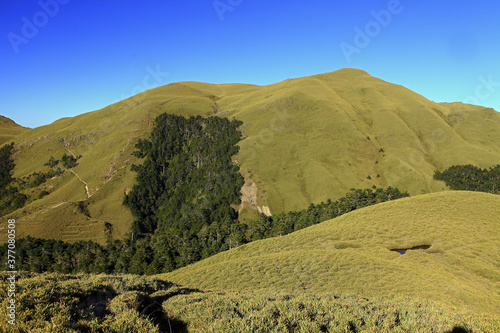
[43,194]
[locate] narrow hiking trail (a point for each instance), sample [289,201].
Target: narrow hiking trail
[79,178]
[83,182]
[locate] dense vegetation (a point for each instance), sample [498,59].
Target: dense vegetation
[471,178]
[68,161]
[98,130]
[185,185]
[10,197]
[187,179]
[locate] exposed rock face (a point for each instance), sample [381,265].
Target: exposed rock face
[249,197]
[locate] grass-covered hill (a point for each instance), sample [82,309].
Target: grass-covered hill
[305,140]
[450,239]
[9,129]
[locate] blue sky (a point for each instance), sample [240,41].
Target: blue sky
[60,58]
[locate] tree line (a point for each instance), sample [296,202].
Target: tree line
[149,254]
[10,197]
[471,178]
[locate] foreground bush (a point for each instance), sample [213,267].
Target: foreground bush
[86,303]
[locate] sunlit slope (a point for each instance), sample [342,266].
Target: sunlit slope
[9,129]
[351,254]
[318,136]
[305,140]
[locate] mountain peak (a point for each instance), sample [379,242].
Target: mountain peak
[351,70]
[347,72]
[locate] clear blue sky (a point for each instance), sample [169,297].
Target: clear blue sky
[60,58]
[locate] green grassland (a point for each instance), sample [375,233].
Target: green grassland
[305,140]
[351,255]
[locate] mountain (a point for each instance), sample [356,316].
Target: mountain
[305,140]
[9,129]
[441,247]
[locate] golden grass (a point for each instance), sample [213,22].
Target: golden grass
[281,312]
[351,254]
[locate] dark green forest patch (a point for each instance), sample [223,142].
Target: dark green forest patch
[471,178]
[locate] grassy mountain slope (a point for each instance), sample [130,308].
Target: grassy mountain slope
[341,128]
[305,140]
[9,129]
[351,255]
